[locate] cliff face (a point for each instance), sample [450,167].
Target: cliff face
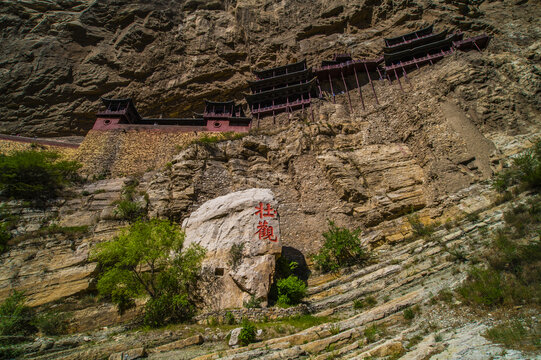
[58,57]
[428,147]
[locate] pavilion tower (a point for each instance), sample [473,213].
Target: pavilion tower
[281,89]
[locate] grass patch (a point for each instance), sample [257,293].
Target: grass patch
[524,171]
[411,312]
[364,303]
[519,334]
[420,229]
[373,333]
[69,231]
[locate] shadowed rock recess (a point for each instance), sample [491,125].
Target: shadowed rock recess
[429,148]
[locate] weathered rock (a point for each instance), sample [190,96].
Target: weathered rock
[132,354]
[241,250]
[180,344]
[234,337]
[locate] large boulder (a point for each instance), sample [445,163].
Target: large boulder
[241,233]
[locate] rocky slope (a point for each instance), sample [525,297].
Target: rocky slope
[59,56]
[430,148]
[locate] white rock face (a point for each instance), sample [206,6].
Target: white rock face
[248,217]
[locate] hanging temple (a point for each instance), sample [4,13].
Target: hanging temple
[292,87]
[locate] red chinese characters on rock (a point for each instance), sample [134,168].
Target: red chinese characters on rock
[264,230]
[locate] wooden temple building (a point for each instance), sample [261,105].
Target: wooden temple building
[292,87]
[281,89]
[423,47]
[217,117]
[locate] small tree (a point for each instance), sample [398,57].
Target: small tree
[148,259]
[15,317]
[35,175]
[341,248]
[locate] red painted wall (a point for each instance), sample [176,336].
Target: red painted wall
[220,125]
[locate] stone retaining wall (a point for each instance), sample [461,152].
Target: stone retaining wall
[255,314]
[129,152]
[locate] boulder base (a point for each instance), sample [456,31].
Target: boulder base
[241,233]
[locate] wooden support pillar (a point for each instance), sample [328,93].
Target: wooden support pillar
[273,114]
[346,88]
[389,78]
[359,87]
[404,73]
[371,84]
[332,90]
[399,83]
[311,108]
[379,73]
[287,109]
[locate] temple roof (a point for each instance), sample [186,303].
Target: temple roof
[398,39]
[228,107]
[269,72]
[219,103]
[423,49]
[281,79]
[123,107]
[280,92]
[416,42]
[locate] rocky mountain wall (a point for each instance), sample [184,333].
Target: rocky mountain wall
[59,56]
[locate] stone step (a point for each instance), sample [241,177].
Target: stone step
[316,336]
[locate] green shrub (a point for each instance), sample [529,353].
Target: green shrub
[129,210]
[229,318]
[139,262]
[247,333]
[411,312]
[35,175]
[15,317]
[512,274]
[5,235]
[525,170]
[341,248]
[364,303]
[518,333]
[51,323]
[253,303]
[419,229]
[372,332]
[483,287]
[291,290]
[235,255]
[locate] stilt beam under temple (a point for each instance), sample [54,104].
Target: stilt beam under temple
[359,86]
[332,90]
[399,83]
[474,43]
[379,73]
[405,74]
[311,108]
[371,84]
[346,88]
